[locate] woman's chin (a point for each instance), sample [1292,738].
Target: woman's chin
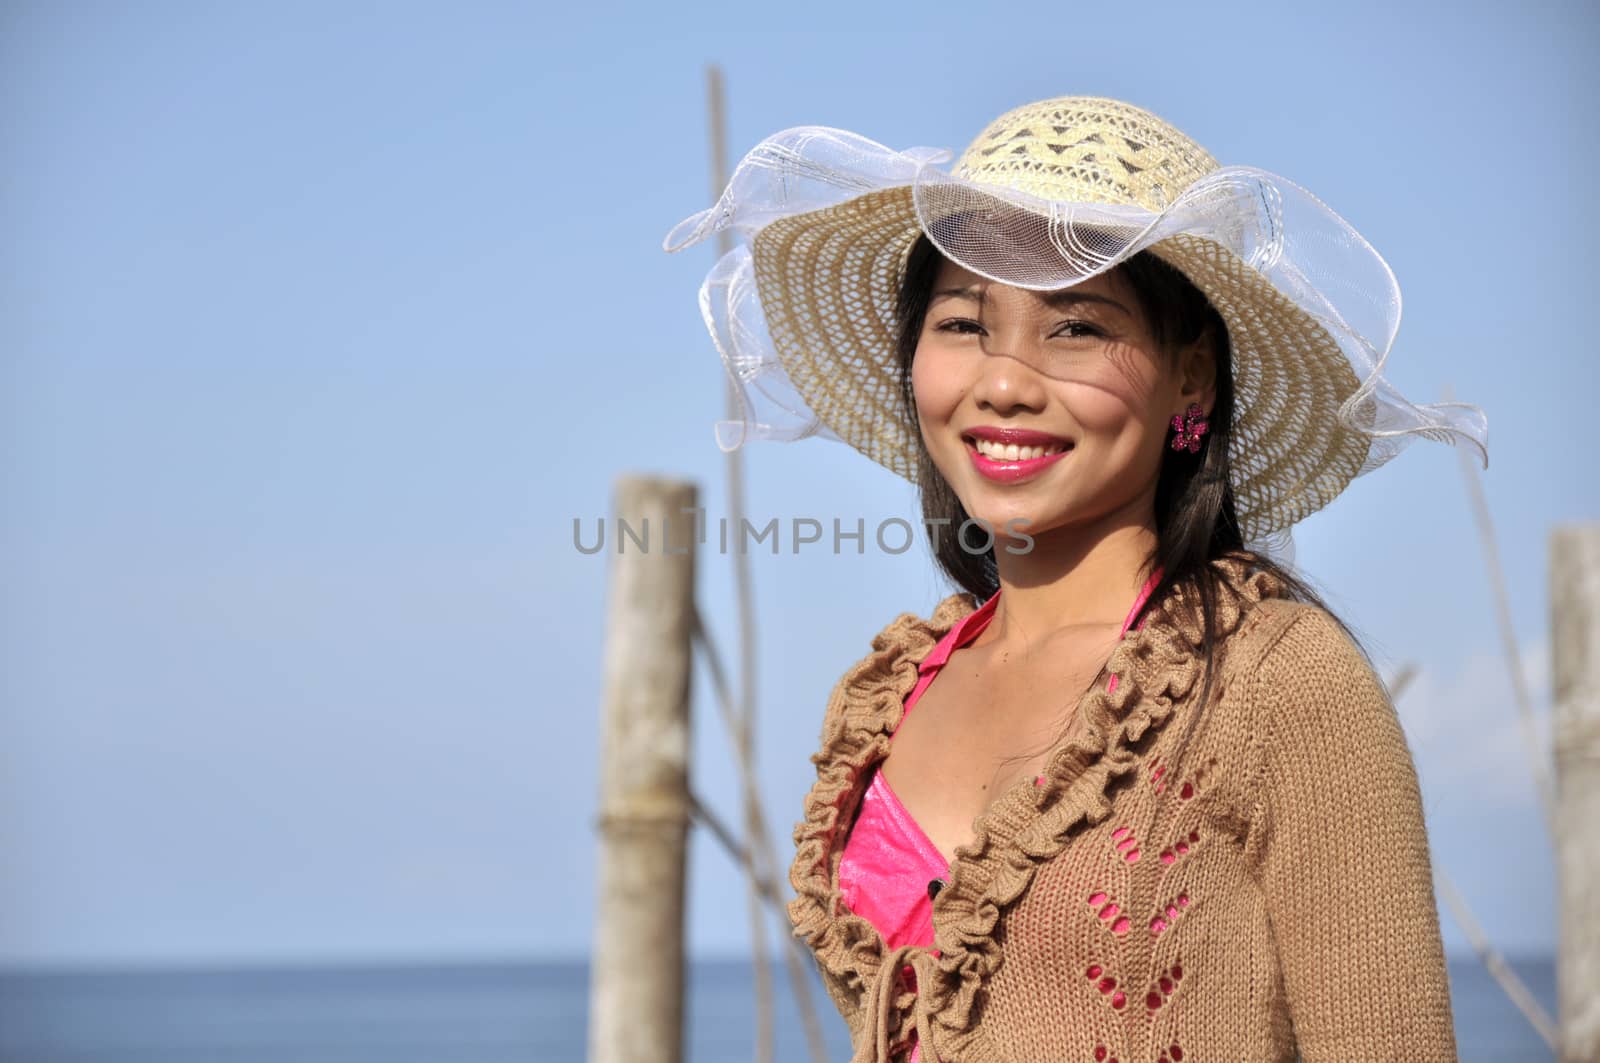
[1015,522]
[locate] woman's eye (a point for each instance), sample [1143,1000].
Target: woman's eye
[966,327]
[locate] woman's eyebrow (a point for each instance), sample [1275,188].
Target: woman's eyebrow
[971,291]
[1067,296]
[1056,300]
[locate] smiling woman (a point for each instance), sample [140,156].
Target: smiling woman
[1123,822]
[1139,339]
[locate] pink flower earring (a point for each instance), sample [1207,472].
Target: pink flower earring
[1189,426]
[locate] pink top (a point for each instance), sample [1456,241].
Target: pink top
[890,869]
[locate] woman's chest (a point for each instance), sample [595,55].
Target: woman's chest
[972,739]
[1130,918]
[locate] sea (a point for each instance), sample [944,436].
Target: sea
[481,1013]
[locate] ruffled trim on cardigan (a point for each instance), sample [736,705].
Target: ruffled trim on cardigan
[862,712]
[1158,667]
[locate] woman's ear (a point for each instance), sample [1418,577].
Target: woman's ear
[1197,372]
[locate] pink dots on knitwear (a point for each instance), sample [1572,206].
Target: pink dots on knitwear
[1196,782]
[1165,918]
[1157,770]
[1109,912]
[1179,848]
[1107,985]
[1191,786]
[1125,843]
[1163,988]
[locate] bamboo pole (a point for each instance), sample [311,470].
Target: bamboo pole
[1515,989]
[1575,666]
[636,981]
[756,858]
[1538,759]
[745,732]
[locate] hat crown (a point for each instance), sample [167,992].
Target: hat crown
[1086,149]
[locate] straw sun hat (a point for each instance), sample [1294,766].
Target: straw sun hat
[1047,195]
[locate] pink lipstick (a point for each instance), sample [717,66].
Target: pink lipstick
[998,464]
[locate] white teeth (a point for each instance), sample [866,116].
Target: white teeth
[1012,452]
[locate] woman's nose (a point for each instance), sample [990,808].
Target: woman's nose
[1007,382]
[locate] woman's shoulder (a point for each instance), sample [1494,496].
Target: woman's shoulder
[1277,631]
[1284,647]
[873,680]
[910,633]
[1296,667]
[1267,620]
[945,614]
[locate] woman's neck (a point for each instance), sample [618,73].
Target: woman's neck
[1072,577]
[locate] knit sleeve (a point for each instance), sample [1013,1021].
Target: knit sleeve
[1341,852]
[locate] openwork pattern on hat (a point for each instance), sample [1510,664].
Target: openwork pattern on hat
[1052,193]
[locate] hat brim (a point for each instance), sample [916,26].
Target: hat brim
[804,317]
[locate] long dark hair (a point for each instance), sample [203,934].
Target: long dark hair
[1195,518]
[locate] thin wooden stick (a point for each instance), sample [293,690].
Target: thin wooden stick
[1537,760]
[745,732]
[736,851]
[761,875]
[1513,986]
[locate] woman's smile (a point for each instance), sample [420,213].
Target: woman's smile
[1010,455]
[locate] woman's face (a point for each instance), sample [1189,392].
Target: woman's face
[1075,373]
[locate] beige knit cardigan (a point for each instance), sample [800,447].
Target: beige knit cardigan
[1270,892]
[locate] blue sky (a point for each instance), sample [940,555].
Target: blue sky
[320,324]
